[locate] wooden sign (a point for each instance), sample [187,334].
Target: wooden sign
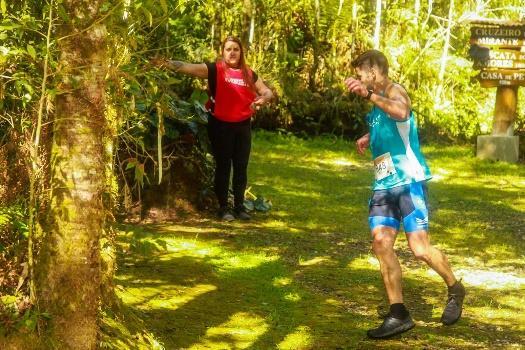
[493,78]
[498,50]
[498,42]
[498,31]
[500,58]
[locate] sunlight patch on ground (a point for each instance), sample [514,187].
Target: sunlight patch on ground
[276,224]
[499,317]
[224,259]
[300,338]
[340,162]
[302,194]
[440,174]
[273,224]
[292,297]
[487,279]
[515,301]
[491,279]
[162,297]
[239,332]
[333,302]
[190,229]
[314,261]
[364,262]
[281,281]
[235,261]
[281,214]
[192,247]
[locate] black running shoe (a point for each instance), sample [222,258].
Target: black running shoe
[225,214]
[391,326]
[454,306]
[242,214]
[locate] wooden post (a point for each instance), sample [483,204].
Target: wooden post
[497,48]
[502,145]
[505,110]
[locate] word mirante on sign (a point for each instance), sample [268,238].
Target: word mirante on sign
[499,41]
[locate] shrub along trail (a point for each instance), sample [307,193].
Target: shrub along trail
[303,276]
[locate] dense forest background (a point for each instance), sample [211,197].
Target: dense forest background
[152,123]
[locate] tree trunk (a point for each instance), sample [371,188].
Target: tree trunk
[355,25]
[341,2]
[378,25]
[417,9]
[246,23]
[315,48]
[252,28]
[446,45]
[68,271]
[444,55]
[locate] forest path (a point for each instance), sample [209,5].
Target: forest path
[303,277]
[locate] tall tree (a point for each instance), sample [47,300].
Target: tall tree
[377,29]
[444,55]
[69,263]
[315,46]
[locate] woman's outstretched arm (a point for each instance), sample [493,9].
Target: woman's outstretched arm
[199,70]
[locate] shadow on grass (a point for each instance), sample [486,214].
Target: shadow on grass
[193,302]
[302,276]
[264,297]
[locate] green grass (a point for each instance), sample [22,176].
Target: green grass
[303,276]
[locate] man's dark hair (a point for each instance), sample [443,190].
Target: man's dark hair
[372,58]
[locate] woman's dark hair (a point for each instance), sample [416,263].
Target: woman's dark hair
[245,69]
[372,58]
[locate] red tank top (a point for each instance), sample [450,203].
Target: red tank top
[233,96]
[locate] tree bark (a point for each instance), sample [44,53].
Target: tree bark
[444,56]
[377,30]
[315,48]
[68,271]
[446,45]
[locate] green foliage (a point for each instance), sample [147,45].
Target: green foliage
[124,330]
[13,230]
[301,50]
[16,314]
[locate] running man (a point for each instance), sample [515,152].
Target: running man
[399,191]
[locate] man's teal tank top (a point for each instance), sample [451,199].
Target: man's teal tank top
[395,148]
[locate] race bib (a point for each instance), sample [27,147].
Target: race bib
[384,166]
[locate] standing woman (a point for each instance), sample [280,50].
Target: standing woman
[235,92]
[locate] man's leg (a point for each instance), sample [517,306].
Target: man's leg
[419,243]
[398,320]
[414,209]
[384,238]
[384,219]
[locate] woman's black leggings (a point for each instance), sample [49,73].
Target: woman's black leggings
[231,145]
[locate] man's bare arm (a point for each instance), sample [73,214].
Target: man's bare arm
[396,102]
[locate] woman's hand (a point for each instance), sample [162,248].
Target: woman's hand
[160,62]
[258,103]
[199,70]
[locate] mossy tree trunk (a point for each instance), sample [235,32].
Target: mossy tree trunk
[68,270]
